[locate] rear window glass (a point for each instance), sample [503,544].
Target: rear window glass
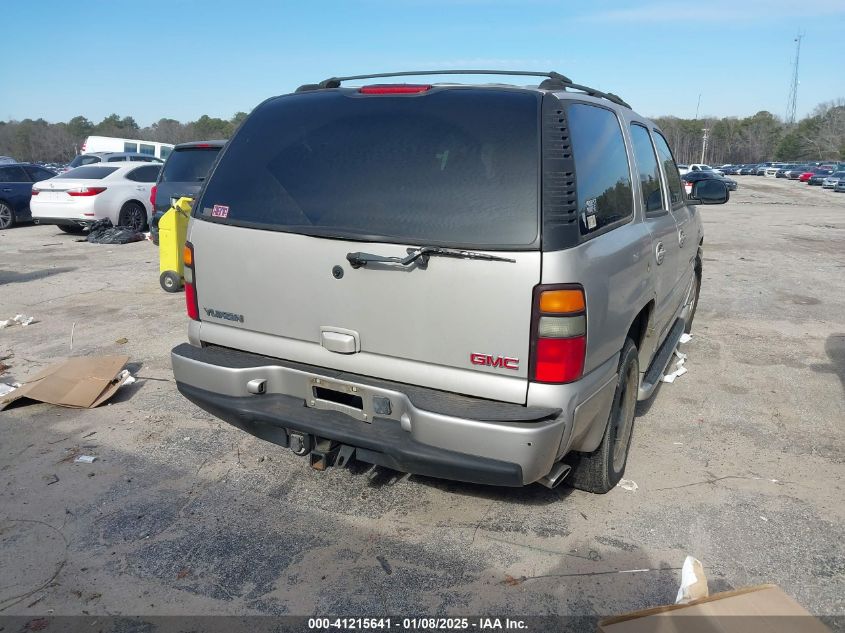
[454,167]
[189,165]
[89,172]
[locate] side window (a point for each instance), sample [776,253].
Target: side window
[165,152]
[652,190]
[144,174]
[150,150]
[116,159]
[602,172]
[673,178]
[13,173]
[130,147]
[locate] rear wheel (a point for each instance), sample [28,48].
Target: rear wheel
[133,214]
[71,228]
[602,469]
[7,216]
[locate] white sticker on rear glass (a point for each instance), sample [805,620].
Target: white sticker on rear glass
[591,222]
[219,211]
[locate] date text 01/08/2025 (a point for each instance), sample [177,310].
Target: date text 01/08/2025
[416,624]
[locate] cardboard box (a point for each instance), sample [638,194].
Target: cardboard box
[763,609]
[83,382]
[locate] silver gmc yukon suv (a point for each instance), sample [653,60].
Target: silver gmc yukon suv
[474,282]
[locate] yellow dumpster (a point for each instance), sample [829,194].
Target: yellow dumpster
[172,232]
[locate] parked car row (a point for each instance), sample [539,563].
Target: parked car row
[120,186]
[827,175]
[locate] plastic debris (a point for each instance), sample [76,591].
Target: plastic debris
[85,459]
[627,484]
[8,388]
[125,378]
[104,232]
[685,338]
[680,370]
[18,319]
[693,582]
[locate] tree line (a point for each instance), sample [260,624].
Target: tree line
[33,140]
[763,136]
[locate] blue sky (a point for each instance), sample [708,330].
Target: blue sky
[185,58]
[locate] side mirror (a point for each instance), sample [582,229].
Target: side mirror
[711,191]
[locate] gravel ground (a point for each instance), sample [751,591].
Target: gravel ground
[738,463]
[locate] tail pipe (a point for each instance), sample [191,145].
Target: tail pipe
[557,474]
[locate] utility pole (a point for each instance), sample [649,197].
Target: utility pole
[698,105]
[704,143]
[792,102]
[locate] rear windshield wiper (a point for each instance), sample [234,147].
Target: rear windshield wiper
[421,255]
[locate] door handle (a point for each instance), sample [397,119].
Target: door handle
[682,238]
[659,253]
[7,189]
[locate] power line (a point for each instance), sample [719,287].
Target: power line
[792,103]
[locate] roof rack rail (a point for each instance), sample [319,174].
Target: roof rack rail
[553,81]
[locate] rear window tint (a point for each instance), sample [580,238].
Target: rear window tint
[454,167]
[603,176]
[189,165]
[89,172]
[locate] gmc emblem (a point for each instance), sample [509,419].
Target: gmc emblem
[498,361]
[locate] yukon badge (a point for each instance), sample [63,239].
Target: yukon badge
[487,360]
[228,316]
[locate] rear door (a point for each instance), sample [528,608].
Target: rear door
[657,212]
[685,241]
[311,178]
[16,189]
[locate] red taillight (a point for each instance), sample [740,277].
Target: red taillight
[191,304]
[153,196]
[35,191]
[559,359]
[85,191]
[558,334]
[394,89]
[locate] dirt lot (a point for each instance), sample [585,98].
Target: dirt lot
[739,463]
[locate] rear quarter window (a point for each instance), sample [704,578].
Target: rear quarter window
[602,171]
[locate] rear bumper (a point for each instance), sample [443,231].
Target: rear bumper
[422,431]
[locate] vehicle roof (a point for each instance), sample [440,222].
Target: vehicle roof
[573,92]
[124,165]
[192,144]
[117,154]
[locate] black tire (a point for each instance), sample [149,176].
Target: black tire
[170,281]
[694,298]
[7,216]
[135,215]
[74,229]
[601,470]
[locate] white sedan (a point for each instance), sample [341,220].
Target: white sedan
[77,198]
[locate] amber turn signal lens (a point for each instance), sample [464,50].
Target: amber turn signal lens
[562,301]
[188,256]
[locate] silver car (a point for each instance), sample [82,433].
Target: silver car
[474,282]
[830,181]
